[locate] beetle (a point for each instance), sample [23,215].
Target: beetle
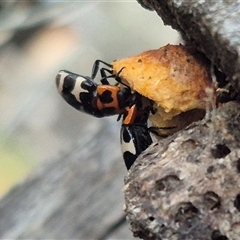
[134,135]
[101,100]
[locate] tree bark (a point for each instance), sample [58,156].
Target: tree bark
[187,186]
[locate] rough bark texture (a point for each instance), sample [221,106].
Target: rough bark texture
[187,185]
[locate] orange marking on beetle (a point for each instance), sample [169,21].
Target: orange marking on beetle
[131,115]
[114,95]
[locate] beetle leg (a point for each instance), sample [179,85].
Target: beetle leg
[95,67]
[104,75]
[115,76]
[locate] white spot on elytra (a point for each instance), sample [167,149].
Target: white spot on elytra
[78,89]
[128,146]
[61,75]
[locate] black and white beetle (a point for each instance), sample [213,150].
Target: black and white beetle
[82,93]
[101,100]
[135,137]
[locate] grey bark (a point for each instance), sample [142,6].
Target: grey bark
[187,186]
